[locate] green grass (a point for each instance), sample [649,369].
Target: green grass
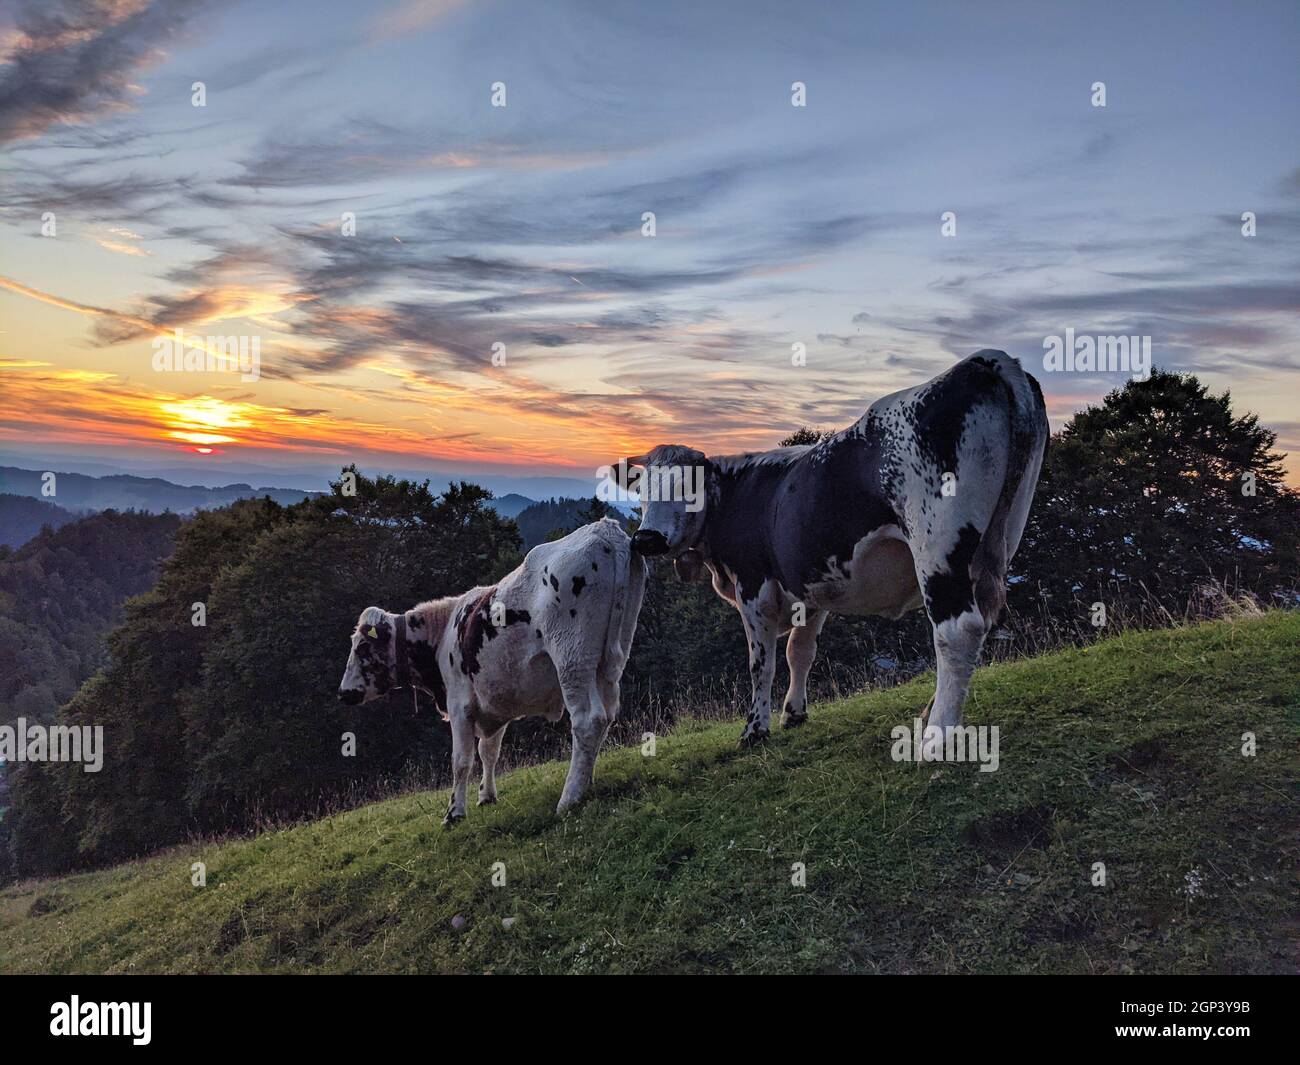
[1128,753]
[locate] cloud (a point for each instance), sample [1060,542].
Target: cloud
[412,16]
[522,225]
[123,320]
[373,150]
[106,197]
[73,60]
[79,406]
[1195,301]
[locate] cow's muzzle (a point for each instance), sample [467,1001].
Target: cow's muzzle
[351,696]
[649,542]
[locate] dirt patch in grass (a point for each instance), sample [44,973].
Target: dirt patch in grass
[1001,837]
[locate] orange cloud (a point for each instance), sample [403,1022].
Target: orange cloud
[100,408]
[493,416]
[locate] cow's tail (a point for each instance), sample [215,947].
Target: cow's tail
[1027,414]
[624,607]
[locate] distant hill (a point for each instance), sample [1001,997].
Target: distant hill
[540,521]
[22,517]
[121,479]
[76,491]
[510,504]
[204,471]
[60,595]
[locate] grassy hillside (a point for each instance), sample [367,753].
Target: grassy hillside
[1127,753]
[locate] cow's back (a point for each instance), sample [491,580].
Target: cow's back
[918,466]
[962,448]
[584,592]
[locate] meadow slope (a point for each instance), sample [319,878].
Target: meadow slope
[1127,753]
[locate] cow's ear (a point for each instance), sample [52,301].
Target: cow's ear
[373,625]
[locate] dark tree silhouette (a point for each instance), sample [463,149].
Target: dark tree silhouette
[208,726]
[805,435]
[1159,489]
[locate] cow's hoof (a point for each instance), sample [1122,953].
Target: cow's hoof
[793,720]
[486,800]
[753,738]
[451,819]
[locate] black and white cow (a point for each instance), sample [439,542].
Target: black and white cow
[922,501]
[553,635]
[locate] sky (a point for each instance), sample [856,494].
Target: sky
[519,229]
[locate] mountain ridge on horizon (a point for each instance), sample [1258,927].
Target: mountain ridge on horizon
[217,471]
[85,493]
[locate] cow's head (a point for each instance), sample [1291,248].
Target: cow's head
[672,482]
[372,664]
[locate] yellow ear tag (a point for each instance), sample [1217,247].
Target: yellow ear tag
[374,633]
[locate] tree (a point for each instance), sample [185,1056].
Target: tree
[136,802]
[806,435]
[1157,490]
[264,728]
[550,519]
[594,509]
[207,726]
[22,517]
[61,593]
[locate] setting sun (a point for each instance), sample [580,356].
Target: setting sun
[193,420]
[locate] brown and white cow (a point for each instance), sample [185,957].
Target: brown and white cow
[552,636]
[923,500]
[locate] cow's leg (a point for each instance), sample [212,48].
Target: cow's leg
[462,763]
[489,749]
[610,697]
[762,634]
[589,722]
[800,653]
[963,607]
[957,645]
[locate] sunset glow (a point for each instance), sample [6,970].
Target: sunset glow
[433,281]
